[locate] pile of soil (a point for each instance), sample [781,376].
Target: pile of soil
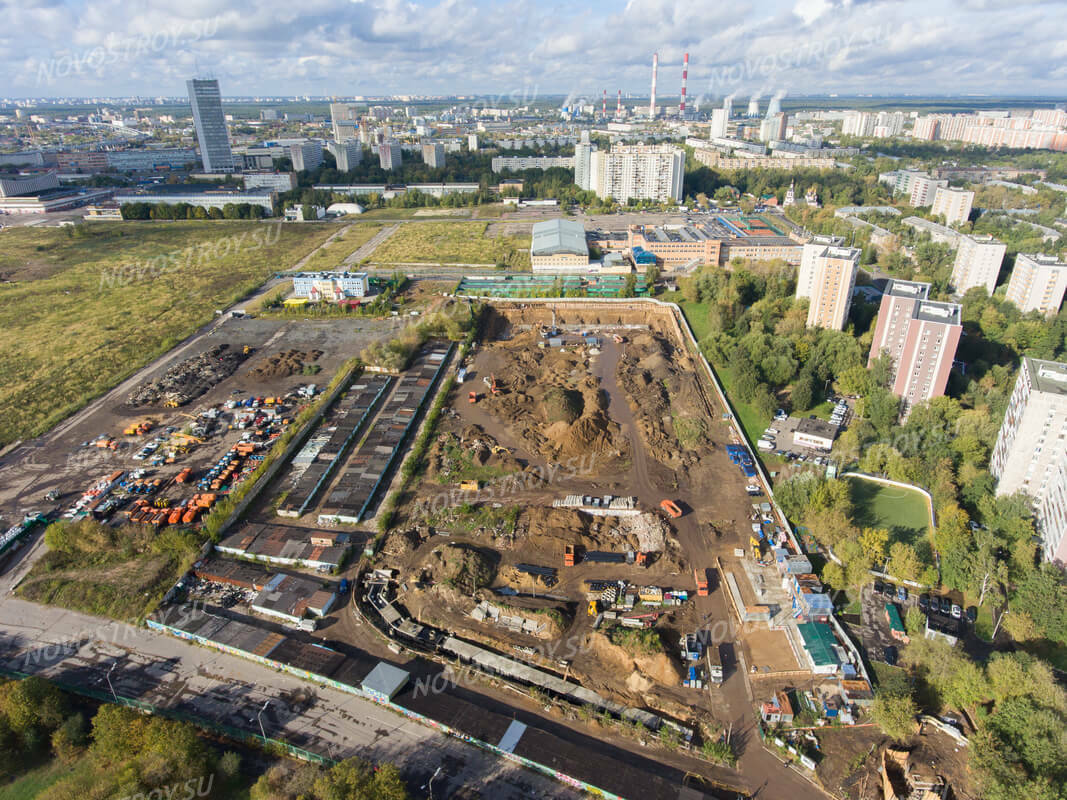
[462,566]
[400,544]
[284,364]
[642,672]
[552,403]
[666,400]
[190,378]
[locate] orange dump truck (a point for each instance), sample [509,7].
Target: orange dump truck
[701,577]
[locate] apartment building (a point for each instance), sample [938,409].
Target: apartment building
[920,336]
[1037,283]
[520,163]
[306,156]
[827,276]
[918,186]
[389,157]
[954,204]
[347,153]
[639,172]
[978,260]
[433,154]
[1031,451]
[858,123]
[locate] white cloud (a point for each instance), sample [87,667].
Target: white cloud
[499,46]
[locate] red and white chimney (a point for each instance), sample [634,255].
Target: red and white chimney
[685,76]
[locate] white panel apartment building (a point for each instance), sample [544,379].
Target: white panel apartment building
[306,156]
[918,186]
[347,153]
[1037,283]
[1031,451]
[389,155]
[978,260]
[827,276]
[638,172]
[954,204]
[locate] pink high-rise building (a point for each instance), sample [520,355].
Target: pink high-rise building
[920,336]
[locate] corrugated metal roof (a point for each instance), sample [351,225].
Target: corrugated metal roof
[558,236]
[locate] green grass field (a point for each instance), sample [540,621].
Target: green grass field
[903,511]
[453,243]
[82,308]
[333,255]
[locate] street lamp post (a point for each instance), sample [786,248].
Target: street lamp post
[109,684]
[429,785]
[259,717]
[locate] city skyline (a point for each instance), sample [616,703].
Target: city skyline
[808,46]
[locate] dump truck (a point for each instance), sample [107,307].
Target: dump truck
[594,608]
[714,663]
[701,577]
[469,486]
[672,509]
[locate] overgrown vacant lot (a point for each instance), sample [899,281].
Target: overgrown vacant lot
[452,243]
[82,308]
[333,255]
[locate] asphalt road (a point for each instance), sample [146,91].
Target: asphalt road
[169,673]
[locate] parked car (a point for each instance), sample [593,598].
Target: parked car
[972,614]
[924,602]
[957,612]
[946,605]
[889,655]
[878,587]
[902,594]
[889,590]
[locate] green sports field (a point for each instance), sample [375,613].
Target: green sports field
[903,511]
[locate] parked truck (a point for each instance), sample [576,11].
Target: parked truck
[714,663]
[701,577]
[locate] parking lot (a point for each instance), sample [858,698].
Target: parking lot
[781,436]
[874,627]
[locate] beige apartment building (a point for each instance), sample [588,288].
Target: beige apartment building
[1037,283]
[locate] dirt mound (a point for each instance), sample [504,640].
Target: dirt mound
[189,379]
[402,543]
[561,405]
[641,670]
[462,566]
[284,364]
[551,402]
[665,397]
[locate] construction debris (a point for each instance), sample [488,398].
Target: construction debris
[189,379]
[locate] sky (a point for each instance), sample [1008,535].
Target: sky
[519,49]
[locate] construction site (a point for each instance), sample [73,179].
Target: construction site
[587,509]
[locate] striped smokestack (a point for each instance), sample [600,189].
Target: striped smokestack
[685,75]
[652,102]
[618,106]
[604,104]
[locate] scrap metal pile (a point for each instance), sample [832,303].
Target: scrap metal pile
[189,379]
